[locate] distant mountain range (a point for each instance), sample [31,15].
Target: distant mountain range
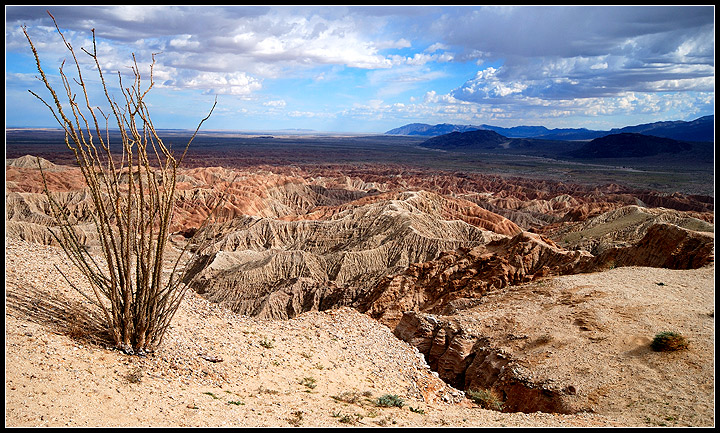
[630,145]
[701,130]
[622,145]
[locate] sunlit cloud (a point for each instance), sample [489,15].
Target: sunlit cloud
[394,65]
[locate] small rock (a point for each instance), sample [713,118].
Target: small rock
[211,358]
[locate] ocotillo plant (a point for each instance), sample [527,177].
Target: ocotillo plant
[133,195]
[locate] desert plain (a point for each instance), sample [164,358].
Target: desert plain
[341,272]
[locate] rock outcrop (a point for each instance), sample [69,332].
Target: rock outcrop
[554,345]
[466,357]
[664,246]
[463,276]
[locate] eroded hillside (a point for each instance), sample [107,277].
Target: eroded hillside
[413,249]
[287,241]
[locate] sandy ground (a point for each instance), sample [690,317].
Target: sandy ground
[593,332]
[215,368]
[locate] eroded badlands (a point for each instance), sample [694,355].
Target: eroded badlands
[547,293]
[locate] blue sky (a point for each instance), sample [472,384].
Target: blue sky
[370,69]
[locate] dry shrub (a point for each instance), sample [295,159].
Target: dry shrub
[351,397]
[133,194]
[668,341]
[486,399]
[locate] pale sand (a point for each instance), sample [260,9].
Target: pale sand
[296,372]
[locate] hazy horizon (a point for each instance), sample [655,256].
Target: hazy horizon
[302,131]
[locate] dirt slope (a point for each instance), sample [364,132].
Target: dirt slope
[319,369]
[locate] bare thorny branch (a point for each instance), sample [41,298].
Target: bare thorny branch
[134,201]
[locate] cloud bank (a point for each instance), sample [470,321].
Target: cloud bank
[455,64]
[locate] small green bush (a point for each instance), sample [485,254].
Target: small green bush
[486,399]
[309,382]
[668,341]
[389,400]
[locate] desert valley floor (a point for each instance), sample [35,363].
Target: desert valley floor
[321,288]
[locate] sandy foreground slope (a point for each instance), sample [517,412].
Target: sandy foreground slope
[321,369]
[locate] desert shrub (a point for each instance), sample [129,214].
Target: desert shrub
[297,418]
[351,397]
[262,390]
[390,400]
[308,382]
[486,399]
[347,419]
[211,394]
[133,193]
[135,376]
[544,339]
[668,341]
[266,343]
